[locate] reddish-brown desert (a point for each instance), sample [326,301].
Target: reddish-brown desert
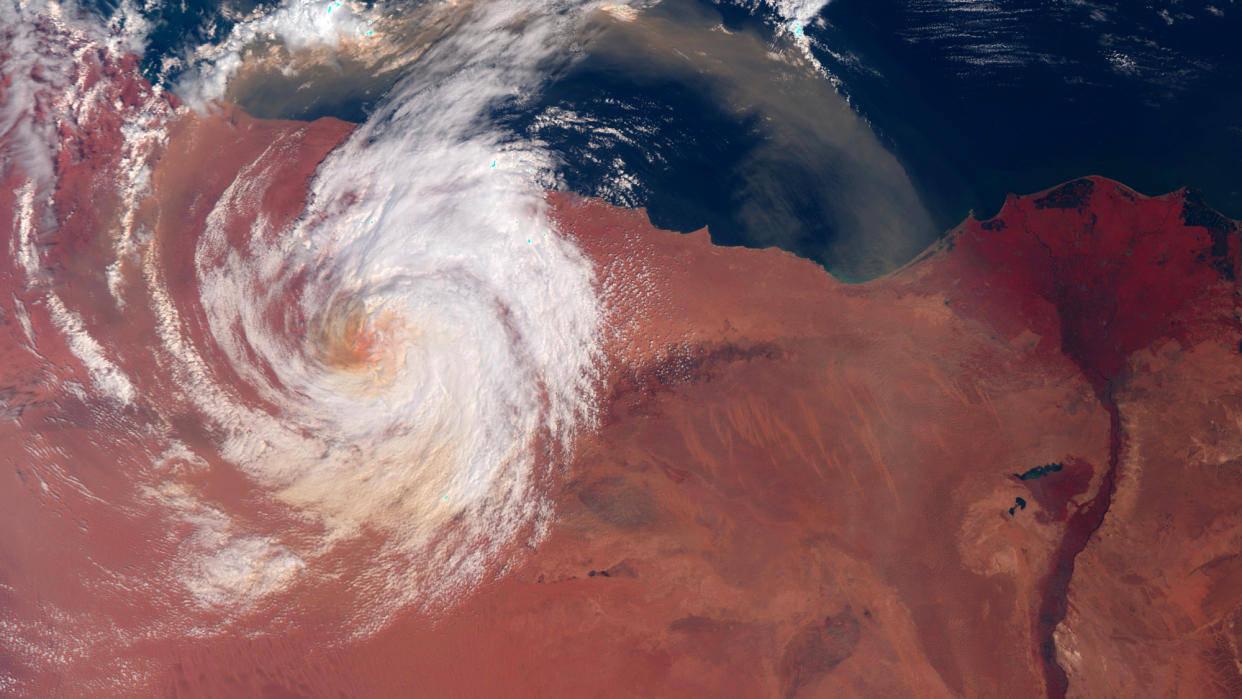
[1009,468]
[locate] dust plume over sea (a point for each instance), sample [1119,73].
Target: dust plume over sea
[267,376]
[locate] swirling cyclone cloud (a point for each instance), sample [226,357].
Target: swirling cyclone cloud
[422,327]
[398,371]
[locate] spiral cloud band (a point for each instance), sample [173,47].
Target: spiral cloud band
[422,322]
[397,371]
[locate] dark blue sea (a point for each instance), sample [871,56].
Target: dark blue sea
[974,98]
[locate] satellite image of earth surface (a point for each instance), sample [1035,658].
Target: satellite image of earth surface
[517,348]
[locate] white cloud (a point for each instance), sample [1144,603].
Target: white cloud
[421,331]
[297,24]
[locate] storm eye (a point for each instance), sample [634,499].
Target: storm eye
[366,340]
